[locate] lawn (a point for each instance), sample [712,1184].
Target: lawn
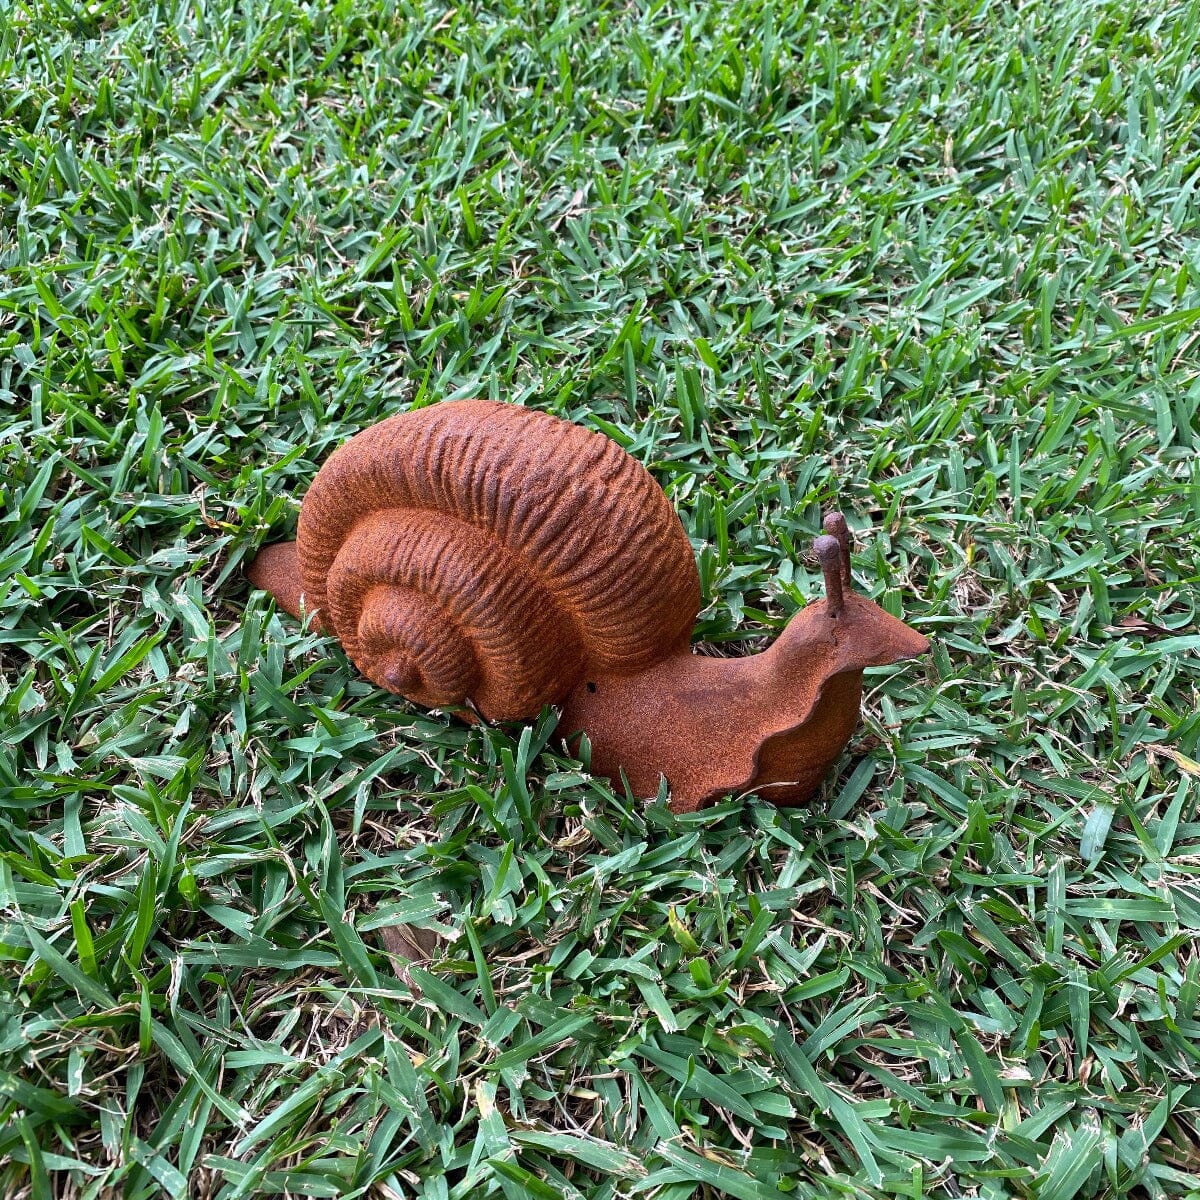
[938,262]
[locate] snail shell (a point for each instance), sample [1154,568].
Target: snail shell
[481,551]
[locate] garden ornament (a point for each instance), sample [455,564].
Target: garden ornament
[479,553]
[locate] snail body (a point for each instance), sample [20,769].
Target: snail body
[479,552]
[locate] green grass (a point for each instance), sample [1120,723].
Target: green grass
[942,262]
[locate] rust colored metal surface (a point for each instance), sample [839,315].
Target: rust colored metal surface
[481,552]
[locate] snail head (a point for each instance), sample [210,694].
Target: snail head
[863,633]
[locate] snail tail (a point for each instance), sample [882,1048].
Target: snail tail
[276,569]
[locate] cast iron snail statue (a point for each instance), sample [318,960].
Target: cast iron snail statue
[476,551]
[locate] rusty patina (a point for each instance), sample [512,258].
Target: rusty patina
[481,555]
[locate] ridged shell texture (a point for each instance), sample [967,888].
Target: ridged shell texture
[480,550]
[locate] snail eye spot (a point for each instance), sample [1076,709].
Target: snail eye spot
[591,686]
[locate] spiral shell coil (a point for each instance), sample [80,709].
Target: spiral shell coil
[480,551]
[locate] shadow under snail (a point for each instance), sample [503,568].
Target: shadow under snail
[480,552]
